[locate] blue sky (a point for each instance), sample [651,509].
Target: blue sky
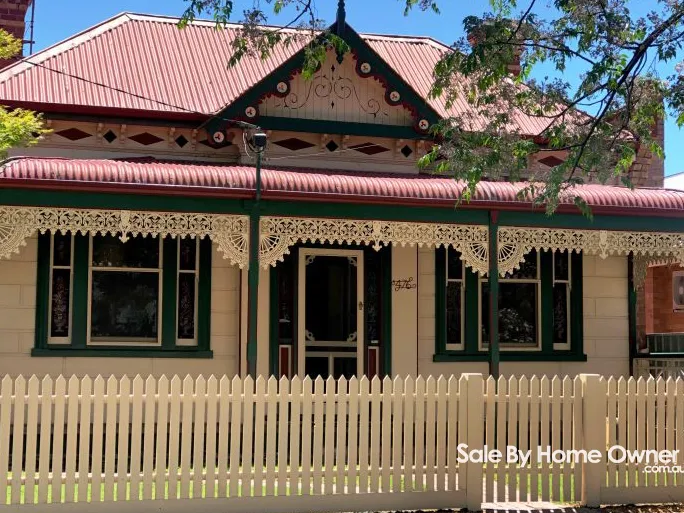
[57,20]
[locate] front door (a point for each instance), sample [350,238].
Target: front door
[330,313]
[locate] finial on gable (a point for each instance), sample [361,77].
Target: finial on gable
[341,15]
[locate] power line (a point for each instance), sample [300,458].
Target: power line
[238,122]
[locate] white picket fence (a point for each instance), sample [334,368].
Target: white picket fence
[314,446]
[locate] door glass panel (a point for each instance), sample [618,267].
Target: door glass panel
[344,366]
[331,304]
[317,366]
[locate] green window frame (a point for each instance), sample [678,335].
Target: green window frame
[551,279]
[76,263]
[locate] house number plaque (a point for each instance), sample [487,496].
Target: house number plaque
[404,284]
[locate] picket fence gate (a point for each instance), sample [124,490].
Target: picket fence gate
[315,446]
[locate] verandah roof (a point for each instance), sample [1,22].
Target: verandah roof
[238,181]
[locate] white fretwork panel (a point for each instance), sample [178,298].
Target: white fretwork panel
[337,93]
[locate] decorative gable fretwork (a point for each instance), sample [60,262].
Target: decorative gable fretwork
[337,92]
[229,232]
[515,242]
[278,234]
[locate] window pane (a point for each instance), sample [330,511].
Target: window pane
[528,268]
[61,252]
[560,313]
[344,366]
[59,315]
[517,313]
[187,259]
[454,265]
[315,366]
[186,306]
[453,303]
[138,252]
[561,269]
[124,304]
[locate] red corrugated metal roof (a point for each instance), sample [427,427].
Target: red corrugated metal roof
[190,178]
[145,63]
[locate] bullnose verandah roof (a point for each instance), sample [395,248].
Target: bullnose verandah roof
[235,181]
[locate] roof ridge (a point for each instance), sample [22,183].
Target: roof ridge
[59,47]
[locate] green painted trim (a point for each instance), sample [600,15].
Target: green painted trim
[42,291]
[546,291]
[204,295]
[547,352]
[632,313]
[79,319]
[82,199]
[440,301]
[33,197]
[471,317]
[291,67]
[599,222]
[386,310]
[79,316]
[274,343]
[320,126]
[493,278]
[384,212]
[169,293]
[576,304]
[106,352]
[509,356]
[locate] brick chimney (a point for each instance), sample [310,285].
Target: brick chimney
[648,170]
[12,19]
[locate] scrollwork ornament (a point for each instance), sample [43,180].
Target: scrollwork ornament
[230,232]
[279,233]
[515,243]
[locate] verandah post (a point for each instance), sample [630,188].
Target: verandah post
[594,407]
[493,294]
[259,140]
[473,394]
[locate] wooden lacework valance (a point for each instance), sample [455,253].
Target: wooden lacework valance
[278,234]
[229,232]
[647,247]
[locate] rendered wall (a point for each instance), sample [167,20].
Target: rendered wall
[17,328]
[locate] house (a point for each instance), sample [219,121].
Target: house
[125,233]
[661,344]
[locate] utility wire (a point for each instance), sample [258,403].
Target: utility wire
[237,122]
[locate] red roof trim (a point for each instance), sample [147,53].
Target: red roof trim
[237,181]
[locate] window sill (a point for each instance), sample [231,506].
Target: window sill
[121,353]
[509,356]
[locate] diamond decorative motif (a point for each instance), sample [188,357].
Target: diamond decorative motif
[294,144]
[110,136]
[146,138]
[181,141]
[406,151]
[331,146]
[551,161]
[369,148]
[73,134]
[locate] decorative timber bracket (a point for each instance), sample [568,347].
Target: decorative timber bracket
[278,234]
[229,232]
[647,247]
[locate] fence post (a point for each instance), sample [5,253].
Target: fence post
[593,436]
[474,397]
